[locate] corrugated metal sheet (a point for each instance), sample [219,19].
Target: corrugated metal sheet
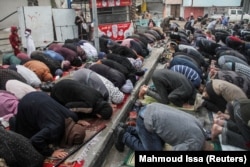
[38,19]
[210,3]
[65,28]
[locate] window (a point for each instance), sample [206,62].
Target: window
[233,11]
[240,12]
[113,14]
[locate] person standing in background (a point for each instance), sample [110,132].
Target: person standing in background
[151,23]
[212,24]
[29,42]
[147,15]
[14,40]
[82,27]
[224,21]
[209,35]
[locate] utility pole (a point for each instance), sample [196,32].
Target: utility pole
[68,4]
[243,2]
[246,7]
[95,22]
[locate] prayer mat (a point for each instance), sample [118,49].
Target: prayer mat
[96,126]
[148,100]
[50,162]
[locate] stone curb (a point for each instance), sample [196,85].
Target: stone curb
[96,154]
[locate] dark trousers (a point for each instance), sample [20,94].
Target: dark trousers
[140,139]
[233,134]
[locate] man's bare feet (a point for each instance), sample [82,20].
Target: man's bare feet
[143,91]
[215,131]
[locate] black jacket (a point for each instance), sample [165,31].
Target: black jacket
[72,94]
[8,74]
[115,65]
[17,150]
[115,76]
[41,119]
[123,51]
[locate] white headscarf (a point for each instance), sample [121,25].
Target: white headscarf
[18,88]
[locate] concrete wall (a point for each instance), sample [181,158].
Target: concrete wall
[168,11]
[198,11]
[210,3]
[155,8]
[9,6]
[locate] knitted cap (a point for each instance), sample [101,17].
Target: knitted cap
[127,87]
[59,72]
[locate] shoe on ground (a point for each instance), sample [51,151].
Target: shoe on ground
[119,132]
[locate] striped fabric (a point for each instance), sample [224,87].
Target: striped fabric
[191,74]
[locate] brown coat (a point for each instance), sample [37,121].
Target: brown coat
[219,93]
[40,69]
[228,90]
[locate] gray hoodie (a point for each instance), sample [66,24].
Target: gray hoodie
[179,129]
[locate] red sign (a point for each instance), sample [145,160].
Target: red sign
[112,3]
[117,31]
